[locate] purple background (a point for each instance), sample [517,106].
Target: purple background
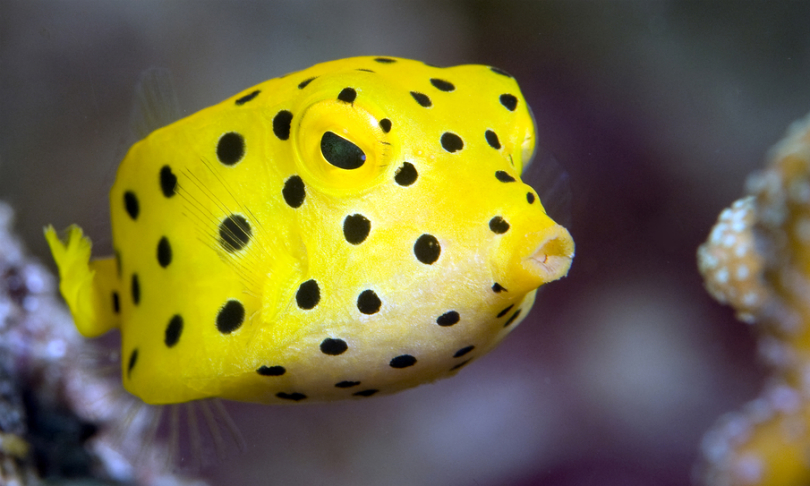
[658,110]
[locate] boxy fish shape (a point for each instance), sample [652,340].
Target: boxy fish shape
[353,229]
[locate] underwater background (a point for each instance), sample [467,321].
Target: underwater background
[658,110]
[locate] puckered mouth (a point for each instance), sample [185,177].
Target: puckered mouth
[553,256]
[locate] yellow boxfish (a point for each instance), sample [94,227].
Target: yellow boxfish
[353,229]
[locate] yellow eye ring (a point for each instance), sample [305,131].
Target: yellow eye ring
[340,147]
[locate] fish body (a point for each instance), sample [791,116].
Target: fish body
[353,229]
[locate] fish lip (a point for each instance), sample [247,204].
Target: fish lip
[552,257]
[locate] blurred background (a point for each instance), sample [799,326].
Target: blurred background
[658,110]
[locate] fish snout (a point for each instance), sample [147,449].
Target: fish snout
[537,252]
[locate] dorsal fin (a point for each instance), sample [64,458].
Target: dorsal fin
[553,185]
[156,103]
[155,106]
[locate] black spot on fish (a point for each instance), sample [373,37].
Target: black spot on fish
[347,95]
[303,84]
[442,85]
[281,124]
[230,148]
[230,316]
[241,101]
[271,370]
[452,142]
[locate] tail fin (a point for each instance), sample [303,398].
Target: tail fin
[89,288]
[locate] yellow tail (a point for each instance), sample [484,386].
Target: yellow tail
[89,288]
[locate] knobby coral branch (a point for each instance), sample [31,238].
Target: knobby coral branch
[757,259]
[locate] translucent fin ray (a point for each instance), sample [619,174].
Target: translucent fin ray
[156,103]
[553,185]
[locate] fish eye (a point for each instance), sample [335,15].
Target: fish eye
[340,148]
[340,152]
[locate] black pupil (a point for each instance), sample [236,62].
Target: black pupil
[340,152]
